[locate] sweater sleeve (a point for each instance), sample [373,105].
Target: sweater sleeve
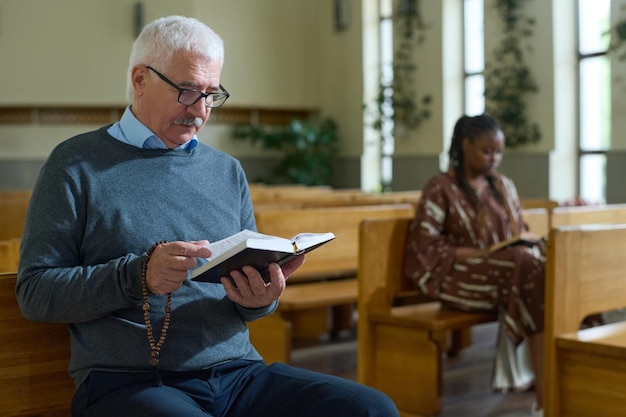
[51,276]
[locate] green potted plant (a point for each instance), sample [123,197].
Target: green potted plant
[309,148]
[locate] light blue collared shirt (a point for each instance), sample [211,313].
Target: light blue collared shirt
[131,131]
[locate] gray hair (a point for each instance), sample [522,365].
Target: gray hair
[161,39]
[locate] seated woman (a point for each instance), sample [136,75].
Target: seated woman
[462,213]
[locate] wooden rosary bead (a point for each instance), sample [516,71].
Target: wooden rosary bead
[155,347]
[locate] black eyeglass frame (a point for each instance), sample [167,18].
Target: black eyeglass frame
[218,94]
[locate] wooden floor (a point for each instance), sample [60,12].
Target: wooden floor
[466,379]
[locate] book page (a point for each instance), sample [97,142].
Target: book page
[221,246]
[306,240]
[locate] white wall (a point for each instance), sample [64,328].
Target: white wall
[279,54]
[282,54]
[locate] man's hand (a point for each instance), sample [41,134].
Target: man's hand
[170,262]
[248,289]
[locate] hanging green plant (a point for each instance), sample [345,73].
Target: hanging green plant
[397,102]
[308,148]
[508,80]
[617,35]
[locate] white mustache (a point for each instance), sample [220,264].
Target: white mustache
[196,121]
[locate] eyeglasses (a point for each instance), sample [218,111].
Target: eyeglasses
[189,97]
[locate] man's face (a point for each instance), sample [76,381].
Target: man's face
[156,102]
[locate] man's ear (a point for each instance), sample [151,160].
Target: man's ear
[138,78]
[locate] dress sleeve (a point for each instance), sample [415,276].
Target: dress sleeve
[429,253]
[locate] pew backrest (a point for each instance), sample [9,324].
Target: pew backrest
[311,197]
[577,215]
[13,207]
[538,220]
[356,198]
[285,193]
[9,255]
[531,203]
[584,276]
[338,258]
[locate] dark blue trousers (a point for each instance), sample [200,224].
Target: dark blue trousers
[235,389]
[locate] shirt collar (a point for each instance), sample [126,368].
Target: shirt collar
[133,132]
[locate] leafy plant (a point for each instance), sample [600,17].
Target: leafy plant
[508,80]
[397,101]
[618,38]
[309,149]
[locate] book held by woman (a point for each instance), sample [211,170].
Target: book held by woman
[525,238]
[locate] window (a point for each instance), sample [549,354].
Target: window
[474,56]
[386,79]
[594,83]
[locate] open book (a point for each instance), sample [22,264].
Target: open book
[527,239]
[257,250]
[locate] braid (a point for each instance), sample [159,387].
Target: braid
[469,128]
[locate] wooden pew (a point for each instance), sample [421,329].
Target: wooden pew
[537,220]
[585,371]
[531,203]
[320,296]
[400,343]
[305,198]
[356,198]
[9,255]
[577,215]
[34,358]
[339,257]
[13,206]
[283,193]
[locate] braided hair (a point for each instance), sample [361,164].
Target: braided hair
[470,127]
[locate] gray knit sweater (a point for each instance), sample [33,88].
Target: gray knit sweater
[96,209]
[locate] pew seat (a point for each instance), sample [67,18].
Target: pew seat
[429,316]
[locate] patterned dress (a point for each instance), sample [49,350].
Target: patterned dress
[509,281]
